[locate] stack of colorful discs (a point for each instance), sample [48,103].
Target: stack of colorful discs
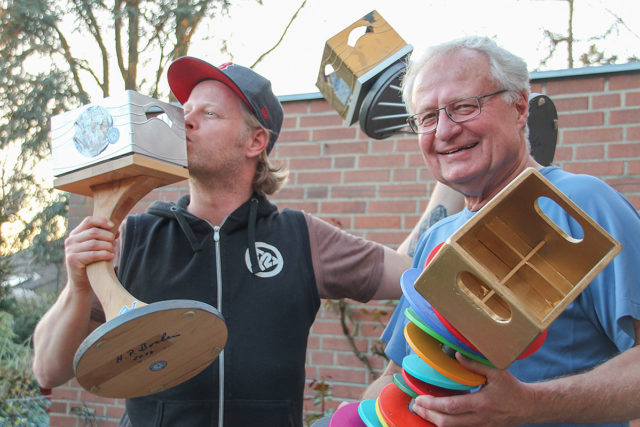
[432,370]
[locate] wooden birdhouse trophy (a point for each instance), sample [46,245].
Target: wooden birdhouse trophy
[117,150]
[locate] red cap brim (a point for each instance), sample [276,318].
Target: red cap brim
[186,72]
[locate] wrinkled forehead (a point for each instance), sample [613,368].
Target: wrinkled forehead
[449,76]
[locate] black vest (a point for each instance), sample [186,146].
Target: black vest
[171,254]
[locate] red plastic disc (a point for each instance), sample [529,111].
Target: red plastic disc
[394,406]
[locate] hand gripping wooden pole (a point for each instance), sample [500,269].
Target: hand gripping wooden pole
[142,348]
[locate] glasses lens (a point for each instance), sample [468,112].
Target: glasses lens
[463,109]
[424,122]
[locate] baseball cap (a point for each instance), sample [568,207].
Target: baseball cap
[186,72]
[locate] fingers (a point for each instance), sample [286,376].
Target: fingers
[91,241]
[443,411]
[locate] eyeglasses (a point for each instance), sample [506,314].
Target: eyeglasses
[458,111]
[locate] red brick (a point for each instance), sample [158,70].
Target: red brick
[344,162]
[563,154]
[632,99]
[350,206]
[295,107]
[347,391]
[333,134]
[387,238]
[310,163]
[580,119]
[571,104]
[324,327]
[405,174]
[317,192]
[318,177]
[625,185]
[346,375]
[403,190]
[635,201]
[341,344]
[381,161]
[383,147]
[333,120]
[322,358]
[309,207]
[624,81]
[589,152]
[320,106]
[294,135]
[399,206]
[624,150]
[354,191]
[589,84]
[65,393]
[289,122]
[288,192]
[606,101]
[375,175]
[536,87]
[378,222]
[592,135]
[337,148]
[633,167]
[633,133]
[599,169]
[416,160]
[115,411]
[297,150]
[408,145]
[58,420]
[625,116]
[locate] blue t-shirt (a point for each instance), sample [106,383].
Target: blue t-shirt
[597,325]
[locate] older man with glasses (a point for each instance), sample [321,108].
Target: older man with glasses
[468,101]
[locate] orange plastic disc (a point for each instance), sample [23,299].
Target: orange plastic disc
[430,350]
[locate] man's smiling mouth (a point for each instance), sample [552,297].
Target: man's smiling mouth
[466,147]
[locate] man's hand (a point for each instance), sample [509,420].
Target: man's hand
[502,401]
[89,242]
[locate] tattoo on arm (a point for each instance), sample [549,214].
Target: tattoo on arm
[427,220]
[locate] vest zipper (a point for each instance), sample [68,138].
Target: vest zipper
[216,239]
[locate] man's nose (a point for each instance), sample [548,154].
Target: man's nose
[446,127]
[189,122]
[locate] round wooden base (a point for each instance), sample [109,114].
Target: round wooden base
[150,349]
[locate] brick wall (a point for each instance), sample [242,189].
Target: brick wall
[378,190]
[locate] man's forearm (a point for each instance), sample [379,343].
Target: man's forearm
[58,335]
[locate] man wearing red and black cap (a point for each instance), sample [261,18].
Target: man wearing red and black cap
[226,245]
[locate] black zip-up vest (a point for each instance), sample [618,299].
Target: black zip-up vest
[171,254]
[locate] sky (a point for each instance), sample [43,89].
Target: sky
[251,29]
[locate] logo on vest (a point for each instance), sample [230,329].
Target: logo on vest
[270,260]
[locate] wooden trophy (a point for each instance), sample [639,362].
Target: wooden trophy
[117,151]
[510,271]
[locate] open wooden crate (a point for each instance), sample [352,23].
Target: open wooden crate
[504,276]
[354,58]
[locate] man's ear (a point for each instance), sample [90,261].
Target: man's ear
[522,107]
[259,139]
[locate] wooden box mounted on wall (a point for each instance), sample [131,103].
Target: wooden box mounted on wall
[127,134]
[504,276]
[354,58]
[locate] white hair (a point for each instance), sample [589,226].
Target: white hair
[507,70]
